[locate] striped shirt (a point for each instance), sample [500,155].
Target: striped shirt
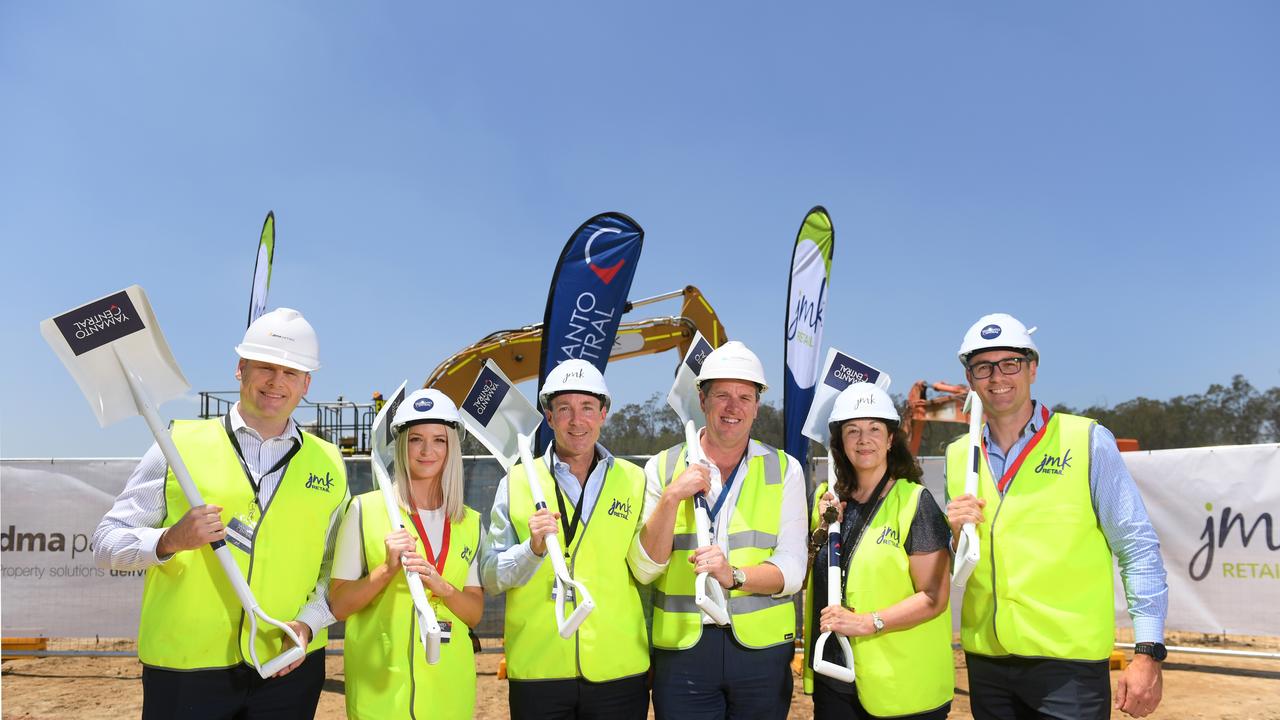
[126,538]
[1122,517]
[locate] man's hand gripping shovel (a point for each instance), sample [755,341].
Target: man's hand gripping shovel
[380,458]
[967,545]
[114,349]
[708,595]
[839,370]
[504,421]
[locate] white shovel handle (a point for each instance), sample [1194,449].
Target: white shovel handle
[835,588]
[428,624]
[708,594]
[967,545]
[171,455]
[583,600]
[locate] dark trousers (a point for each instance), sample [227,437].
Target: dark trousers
[236,693]
[718,678]
[1030,689]
[830,704]
[578,699]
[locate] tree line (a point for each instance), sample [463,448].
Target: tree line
[1233,414]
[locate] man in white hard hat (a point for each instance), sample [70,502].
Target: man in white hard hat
[756,501]
[193,640]
[601,670]
[1054,503]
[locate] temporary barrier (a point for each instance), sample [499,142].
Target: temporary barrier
[1216,511]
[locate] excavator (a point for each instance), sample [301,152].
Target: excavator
[518,351]
[948,407]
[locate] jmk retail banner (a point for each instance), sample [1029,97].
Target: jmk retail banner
[1217,513]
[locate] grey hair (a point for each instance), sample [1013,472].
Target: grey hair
[450,477]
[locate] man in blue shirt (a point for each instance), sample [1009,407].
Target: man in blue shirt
[1015,674]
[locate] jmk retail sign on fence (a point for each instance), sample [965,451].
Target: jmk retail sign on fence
[1217,513]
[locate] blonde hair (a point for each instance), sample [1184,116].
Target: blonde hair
[450,477]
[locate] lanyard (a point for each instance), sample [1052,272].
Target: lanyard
[571,526]
[1012,469]
[864,520]
[436,562]
[248,474]
[724,489]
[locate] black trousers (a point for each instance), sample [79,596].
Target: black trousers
[578,699]
[1031,689]
[236,693]
[830,704]
[718,678]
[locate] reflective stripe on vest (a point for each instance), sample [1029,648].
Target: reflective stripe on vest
[387,675]
[1047,589]
[900,672]
[613,641]
[191,618]
[758,621]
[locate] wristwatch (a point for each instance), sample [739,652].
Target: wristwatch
[739,578]
[1156,651]
[875,620]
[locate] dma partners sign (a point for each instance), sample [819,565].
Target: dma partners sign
[51,587]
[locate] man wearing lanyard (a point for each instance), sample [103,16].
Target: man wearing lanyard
[1054,503]
[600,671]
[756,498]
[274,495]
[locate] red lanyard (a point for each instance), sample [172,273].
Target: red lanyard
[439,562]
[1012,469]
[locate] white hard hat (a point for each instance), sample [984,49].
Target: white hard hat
[998,330]
[863,401]
[573,376]
[282,337]
[733,361]
[424,406]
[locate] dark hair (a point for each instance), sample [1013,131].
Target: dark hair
[902,464]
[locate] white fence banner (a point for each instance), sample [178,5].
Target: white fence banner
[1217,513]
[51,588]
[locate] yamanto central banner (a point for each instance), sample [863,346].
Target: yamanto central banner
[589,294]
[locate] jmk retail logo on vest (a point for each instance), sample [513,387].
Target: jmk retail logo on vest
[888,536]
[1054,465]
[315,482]
[620,509]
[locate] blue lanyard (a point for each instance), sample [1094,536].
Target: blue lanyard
[724,490]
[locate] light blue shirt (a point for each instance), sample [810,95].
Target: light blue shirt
[1122,517]
[510,563]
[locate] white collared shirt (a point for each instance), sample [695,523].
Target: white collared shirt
[789,556]
[127,536]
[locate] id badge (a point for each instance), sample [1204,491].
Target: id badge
[240,535]
[446,631]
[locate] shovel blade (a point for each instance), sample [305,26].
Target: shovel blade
[89,339]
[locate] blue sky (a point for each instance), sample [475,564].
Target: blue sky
[1106,171]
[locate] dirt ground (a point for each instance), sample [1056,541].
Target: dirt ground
[1195,686]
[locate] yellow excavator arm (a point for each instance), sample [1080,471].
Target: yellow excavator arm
[518,351]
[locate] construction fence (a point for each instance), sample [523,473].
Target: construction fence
[1216,511]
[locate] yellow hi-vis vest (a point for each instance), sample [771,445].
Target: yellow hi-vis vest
[612,642]
[386,667]
[900,672]
[1043,585]
[191,618]
[758,621]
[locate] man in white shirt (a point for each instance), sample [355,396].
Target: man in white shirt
[755,497]
[281,492]
[593,505]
